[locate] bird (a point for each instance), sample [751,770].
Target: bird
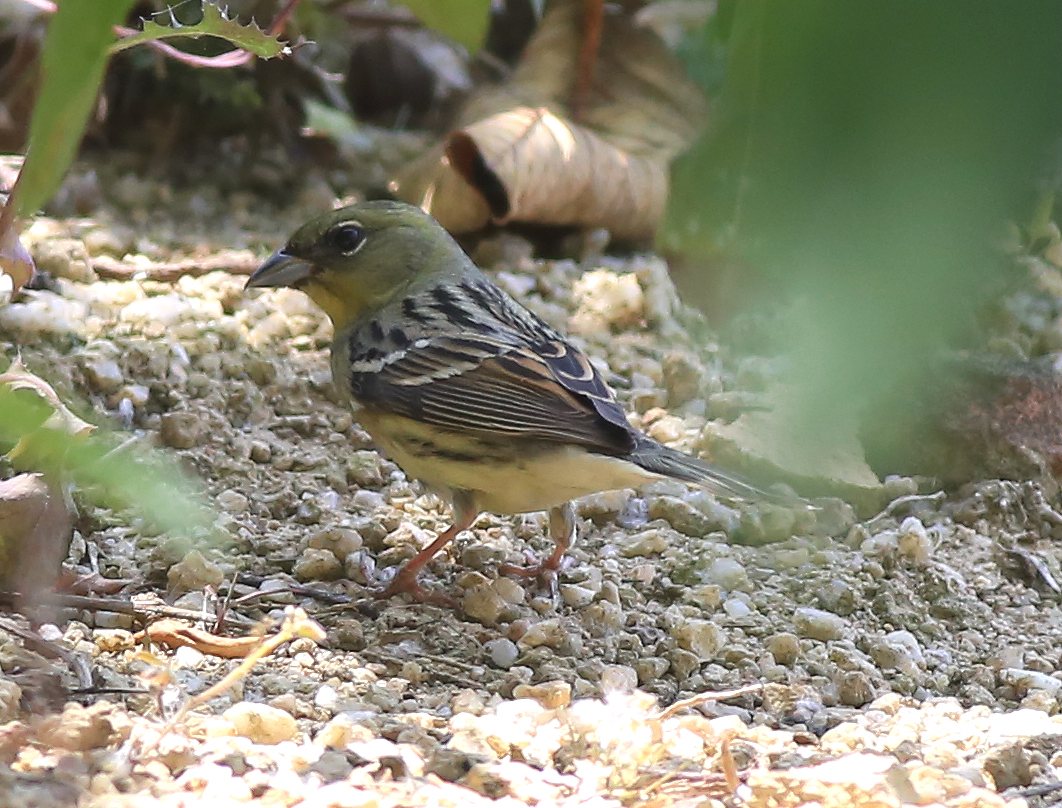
[463,387]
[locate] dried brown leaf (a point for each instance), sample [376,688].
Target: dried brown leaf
[174,634]
[15,260]
[520,155]
[36,524]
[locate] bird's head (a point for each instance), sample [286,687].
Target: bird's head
[355,259]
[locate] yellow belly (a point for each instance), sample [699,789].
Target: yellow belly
[502,477]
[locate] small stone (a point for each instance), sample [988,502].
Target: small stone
[701,637]
[10,699]
[728,573]
[551,695]
[618,679]
[646,543]
[194,572]
[683,663]
[1025,681]
[606,300]
[188,657]
[503,652]
[261,723]
[363,469]
[102,374]
[260,451]
[576,596]
[736,608]
[181,430]
[683,517]
[317,565]
[914,541]
[484,604]
[818,624]
[549,633]
[232,501]
[64,258]
[855,689]
[340,731]
[668,429]
[341,541]
[113,639]
[707,596]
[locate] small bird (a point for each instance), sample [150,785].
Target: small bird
[463,387]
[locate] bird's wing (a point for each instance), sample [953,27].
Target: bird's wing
[489,384]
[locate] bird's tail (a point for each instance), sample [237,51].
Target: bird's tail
[660,459]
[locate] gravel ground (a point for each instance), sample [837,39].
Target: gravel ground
[912,657]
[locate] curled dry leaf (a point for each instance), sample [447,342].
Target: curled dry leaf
[15,260]
[174,634]
[36,523]
[520,156]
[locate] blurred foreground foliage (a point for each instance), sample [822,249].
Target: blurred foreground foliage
[864,158]
[104,472]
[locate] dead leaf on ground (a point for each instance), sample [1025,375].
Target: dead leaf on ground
[519,157]
[36,524]
[15,260]
[174,634]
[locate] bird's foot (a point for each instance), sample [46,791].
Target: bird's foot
[545,571]
[409,585]
[404,583]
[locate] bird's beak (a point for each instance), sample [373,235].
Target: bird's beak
[280,269]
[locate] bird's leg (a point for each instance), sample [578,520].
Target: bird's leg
[405,580]
[562,531]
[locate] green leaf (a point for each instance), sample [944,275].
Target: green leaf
[464,21]
[74,58]
[247,37]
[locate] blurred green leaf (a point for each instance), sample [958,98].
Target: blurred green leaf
[863,159]
[214,23]
[73,61]
[464,21]
[146,482]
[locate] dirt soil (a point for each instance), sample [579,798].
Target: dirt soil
[912,657]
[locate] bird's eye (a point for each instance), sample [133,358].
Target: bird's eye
[346,238]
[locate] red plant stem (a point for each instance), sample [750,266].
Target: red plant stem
[593,20]
[233,58]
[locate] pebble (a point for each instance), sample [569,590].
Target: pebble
[914,542]
[232,501]
[181,430]
[194,572]
[618,679]
[549,633]
[261,723]
[317,565]
[645,543]
[818,624]
[736,608]
[784,647]
[682,516]
[727,573]
[103,374]
[703,638]
[503,652]
[10,700]
[1025,681]
[550,695]
[855,689]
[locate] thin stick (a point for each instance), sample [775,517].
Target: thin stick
[235,263]
[142,610]
[707,698]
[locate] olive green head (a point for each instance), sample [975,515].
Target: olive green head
[355,259]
